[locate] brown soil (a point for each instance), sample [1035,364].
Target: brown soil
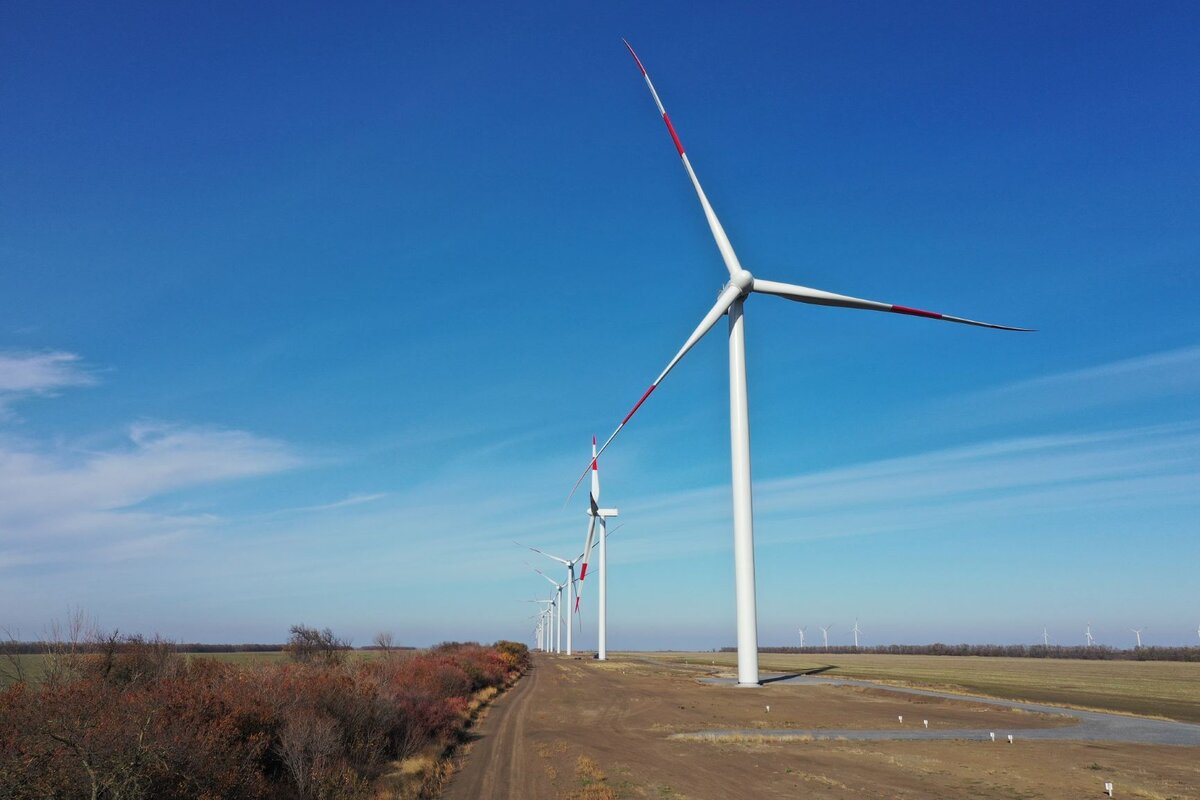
[585,730]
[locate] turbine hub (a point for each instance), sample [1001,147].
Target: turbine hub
[743,280]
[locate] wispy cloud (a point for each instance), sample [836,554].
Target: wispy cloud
[55,499]
[1153,377]
[25,374]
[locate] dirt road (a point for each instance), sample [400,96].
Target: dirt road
[496,763]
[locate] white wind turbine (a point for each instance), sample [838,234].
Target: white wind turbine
[1045,637]
[570,565]
[730,301]
[856,631]
[1087,634]
[802,630]
[602,514]
[1138,633]
[825,634]
[557,606]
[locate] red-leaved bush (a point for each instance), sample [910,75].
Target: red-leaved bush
[137,720]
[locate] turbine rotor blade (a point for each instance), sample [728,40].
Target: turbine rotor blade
[587,548]
[727,255]
[728,295]
[805,294]
[595,473]
[547,555]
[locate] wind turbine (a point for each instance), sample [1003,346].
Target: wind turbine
[557,604]
[1138,633]
[1091,640]
[802,630]
[730,301]
[856,631]
[602,514]
[1045,638]
[825,634]
[543,630]
[570,580]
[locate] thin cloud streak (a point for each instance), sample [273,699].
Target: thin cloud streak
[24,374]
[55,500]
[1143,379]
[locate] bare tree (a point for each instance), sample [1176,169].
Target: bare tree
[12,667]
[384,641]
[307,644]
[66,643]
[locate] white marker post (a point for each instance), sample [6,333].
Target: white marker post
[993,735]
[926,722]
[1108,787]
[1010,738]
[768,709]
[901,718]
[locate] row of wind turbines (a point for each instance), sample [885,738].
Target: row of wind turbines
[825,629]
[730,303]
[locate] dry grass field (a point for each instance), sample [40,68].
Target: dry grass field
[1149,688]
[33,665]
[580,729]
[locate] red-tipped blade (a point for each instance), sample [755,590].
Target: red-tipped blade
[727,255]
[805,294]
[729,294]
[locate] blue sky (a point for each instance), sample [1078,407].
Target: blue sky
[307,313]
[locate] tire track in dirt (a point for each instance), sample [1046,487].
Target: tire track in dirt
[496,764]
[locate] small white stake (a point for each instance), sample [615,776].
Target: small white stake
[1108,787]
[768,709]
[993,736]
[1010,738]
[926,723]
[901,718]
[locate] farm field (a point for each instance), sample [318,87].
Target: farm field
[33,665]
[1150,688]
[578,729]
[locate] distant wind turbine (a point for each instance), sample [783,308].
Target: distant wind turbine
[802,630]
[1045,638]
[825,634]
[1091,640]
[570,565]
[602,514]
[1138,633]
[557,638]
[856,631]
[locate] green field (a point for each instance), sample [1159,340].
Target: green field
[1168,689]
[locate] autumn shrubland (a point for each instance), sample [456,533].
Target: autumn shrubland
[132,718]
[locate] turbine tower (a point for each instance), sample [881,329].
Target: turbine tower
[802,630]
[730,302]
[825,634]
[856,631]
[1045,638]
[570,565]
[1087,634]
[557,647]
[602,514]
[1138,633]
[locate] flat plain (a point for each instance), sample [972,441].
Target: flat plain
[580,729]
[1169,689]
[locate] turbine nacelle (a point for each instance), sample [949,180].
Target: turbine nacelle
[743,280]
